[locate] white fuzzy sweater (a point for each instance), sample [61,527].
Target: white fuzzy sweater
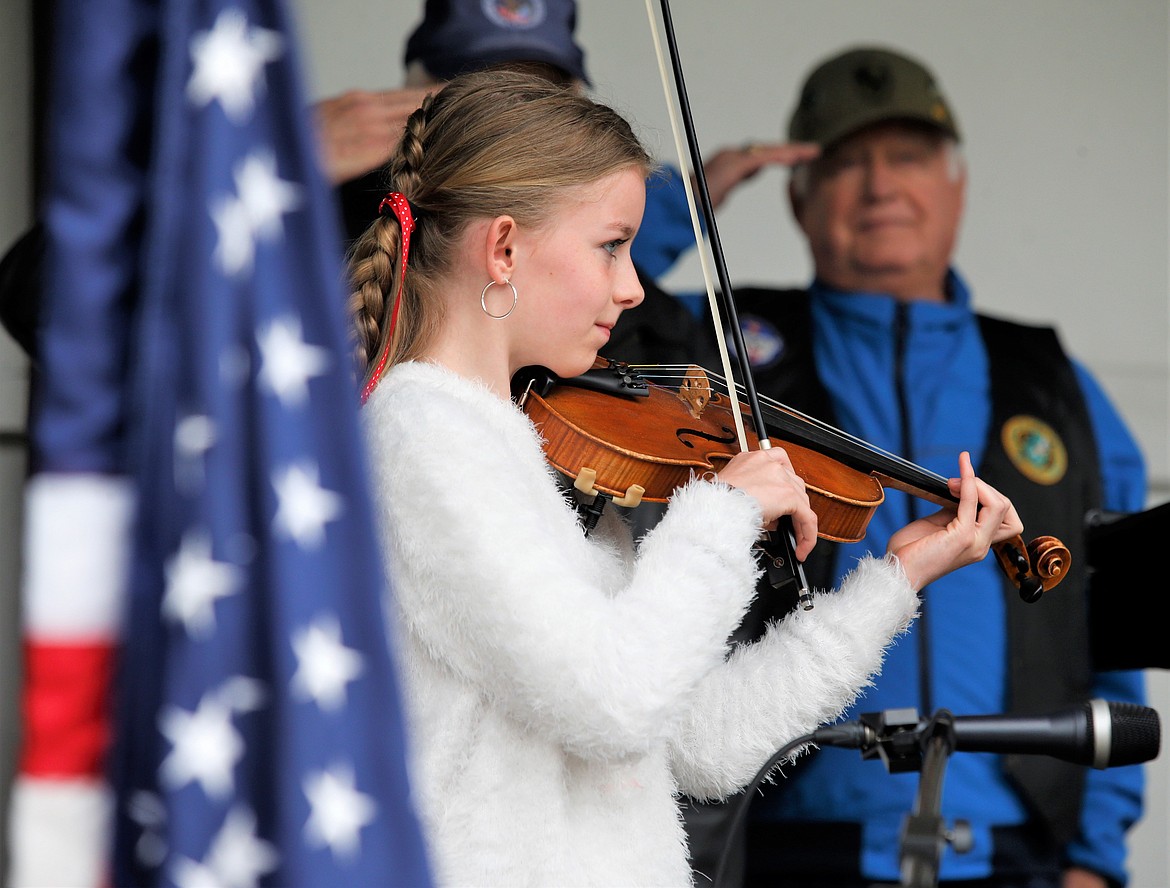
[561,690]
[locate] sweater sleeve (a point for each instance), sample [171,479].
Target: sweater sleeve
[495,580]
[804,672]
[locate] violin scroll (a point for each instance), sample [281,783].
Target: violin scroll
[1036,567]
[1051,559]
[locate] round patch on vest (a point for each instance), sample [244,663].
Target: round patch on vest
[763,341]
[1035,449]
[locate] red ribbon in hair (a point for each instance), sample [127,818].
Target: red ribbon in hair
[401,207]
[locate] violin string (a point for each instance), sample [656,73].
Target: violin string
[679,372]
[843,435]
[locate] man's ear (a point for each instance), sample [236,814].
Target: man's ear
[500,248]
[962,188]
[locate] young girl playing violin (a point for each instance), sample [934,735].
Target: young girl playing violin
[563,688]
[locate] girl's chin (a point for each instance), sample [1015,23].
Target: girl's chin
[567,369]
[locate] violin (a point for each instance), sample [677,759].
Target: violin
[627,440]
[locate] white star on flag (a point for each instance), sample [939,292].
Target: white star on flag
[229,64]
[189,874]
[206,746]
[303,505]
[254,214]
[235,247]
[288,362]
[237,859]
[265,196]
[195,434]
[324,665]
[195,581]
[338,810]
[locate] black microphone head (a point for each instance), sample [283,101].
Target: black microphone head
[1136,733]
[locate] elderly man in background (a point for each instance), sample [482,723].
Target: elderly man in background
[885,344]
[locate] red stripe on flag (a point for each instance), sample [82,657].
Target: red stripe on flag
[66,709]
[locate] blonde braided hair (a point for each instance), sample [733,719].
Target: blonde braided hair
[488,144]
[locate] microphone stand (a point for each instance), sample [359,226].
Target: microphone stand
[895,737]
[924,832]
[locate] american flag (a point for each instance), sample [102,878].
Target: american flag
[208,663]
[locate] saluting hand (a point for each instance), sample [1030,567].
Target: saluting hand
[728,167]
[360,129]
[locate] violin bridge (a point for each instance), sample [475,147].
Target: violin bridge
[695,390]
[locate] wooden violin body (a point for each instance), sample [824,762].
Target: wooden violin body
[648,441]
[618,435]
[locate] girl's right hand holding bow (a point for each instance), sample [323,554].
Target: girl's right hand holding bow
[768,477]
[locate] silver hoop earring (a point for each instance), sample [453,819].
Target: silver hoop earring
[483,300]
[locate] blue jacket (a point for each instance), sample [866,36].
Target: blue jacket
[946,391]
[947,398]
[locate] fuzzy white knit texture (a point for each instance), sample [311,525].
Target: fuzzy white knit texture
[562,689]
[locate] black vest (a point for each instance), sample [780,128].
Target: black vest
[1048,641]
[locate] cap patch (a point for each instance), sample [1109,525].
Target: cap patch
[518,14]
[873,82]
[1035,449]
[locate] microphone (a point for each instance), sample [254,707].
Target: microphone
[1100,733]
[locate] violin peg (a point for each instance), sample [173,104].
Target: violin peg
[1035,568]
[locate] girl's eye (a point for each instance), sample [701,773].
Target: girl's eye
[612,246]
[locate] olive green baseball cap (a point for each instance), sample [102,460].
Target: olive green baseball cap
[863,86]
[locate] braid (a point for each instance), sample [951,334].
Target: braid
[486,145]
[374,264]
[408,159]
[372,278]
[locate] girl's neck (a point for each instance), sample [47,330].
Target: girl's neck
[472,362]
[468,342]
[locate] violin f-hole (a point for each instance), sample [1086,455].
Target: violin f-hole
[684,433]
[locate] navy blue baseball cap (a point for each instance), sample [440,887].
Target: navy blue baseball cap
[459,36]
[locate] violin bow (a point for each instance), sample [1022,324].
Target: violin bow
[781,562]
